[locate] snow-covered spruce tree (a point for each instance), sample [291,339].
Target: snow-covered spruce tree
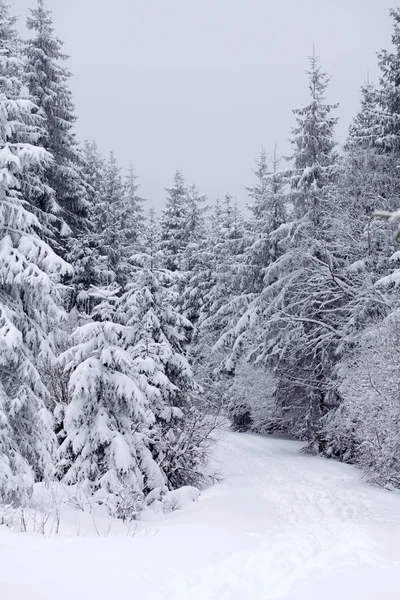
[152,233]
[364,130]
[194,263]
[378,127]
[295,319]
[174,224]
[315,157]
[221,298]
[229,250]
[47,80]
[93,171]
[34,187]
[132,429]
[110,226]
[195,213]
[365,178]
[268,207]
[385,125]
[107,422]
[157,336]
[134,220]
[83,248]
[388,124]
[306,282]
[29,270]
[365,428]
[262,248]
[196,301]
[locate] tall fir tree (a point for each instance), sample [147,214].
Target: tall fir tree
[29,271]
[135,214]
[110,226]
[84,248]
[174,231]
[47,80]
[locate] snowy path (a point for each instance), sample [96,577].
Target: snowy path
[281,525]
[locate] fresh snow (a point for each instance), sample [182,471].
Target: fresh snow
[281,524]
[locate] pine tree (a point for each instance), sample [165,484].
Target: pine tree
[134,217]
[194,256]
[174,230]
[291,325]
[269,213]
[93,171]
[196,210]
[132,429]
[118,223]
[220,290]
[47,81]
[260,250]
[110,226]
[314,158]
[157,336]
[108,420]
[83,251]
[364,129]
[389,94]
[29,274]
[152,235]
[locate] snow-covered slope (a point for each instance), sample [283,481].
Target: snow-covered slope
[280,525]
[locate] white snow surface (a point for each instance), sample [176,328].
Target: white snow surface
[280,525]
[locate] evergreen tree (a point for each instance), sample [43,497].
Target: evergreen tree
[84,252]
[314,158]
[110,226]
[93,171]
[269,213]
[108,420]
[29,273]
[363,130]
[132,427]
[291,325]
[134,216]
[221,298]
[152,235]
[389,94]
[47,81]
[174,230]
[157,336]
[260,250]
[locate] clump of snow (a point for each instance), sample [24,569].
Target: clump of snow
[180,498]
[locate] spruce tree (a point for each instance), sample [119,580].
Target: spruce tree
[83,249]
[134,220]
[269,213]
[29,271]
[291,325]
[108,420]
[157,347]
[47,81]
[174,230]
[110,226]
[314,158]
[389,94]
[132,429]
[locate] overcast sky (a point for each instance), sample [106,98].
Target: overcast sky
[202,85]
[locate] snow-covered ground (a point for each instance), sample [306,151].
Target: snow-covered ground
[280,525]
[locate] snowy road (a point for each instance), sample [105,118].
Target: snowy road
[281,525]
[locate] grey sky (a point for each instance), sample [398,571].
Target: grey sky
[201,85]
